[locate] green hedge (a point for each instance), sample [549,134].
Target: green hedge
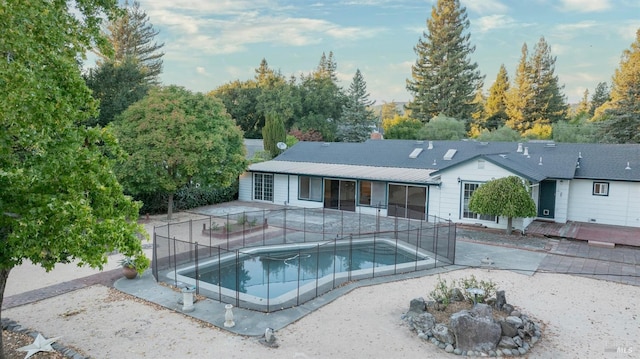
[185,198]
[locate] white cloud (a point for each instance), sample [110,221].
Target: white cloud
[585,5]
[485,6]
[201,70]
[492,22]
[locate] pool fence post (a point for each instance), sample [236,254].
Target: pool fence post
[244,220]
[190,229]
[335,243]
[395,260]
[175,263]
[298,293]
[284,226]
[264,228]
[373,265]
[304,225]
[154,255]
[210,230]
[219,276]
[227,224]
[197,269]
[268,285]
[317,265]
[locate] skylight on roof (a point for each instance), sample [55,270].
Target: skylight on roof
[449,155]
[416,152]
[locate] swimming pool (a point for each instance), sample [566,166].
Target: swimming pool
[286,274]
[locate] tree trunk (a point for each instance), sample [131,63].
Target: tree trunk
[4,275]
[170,207]
[509,225]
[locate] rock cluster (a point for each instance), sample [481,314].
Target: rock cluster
[476,332]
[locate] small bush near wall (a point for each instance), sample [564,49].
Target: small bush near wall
[186,198]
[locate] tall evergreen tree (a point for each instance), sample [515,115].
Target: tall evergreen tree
[623,123]
[584,105]
[536,99]
[132,37]
[497,99]
[117,86]
[600,96]
[357,117]
[273,132]
[389,110]
[520,95]
[444,79]
[550,105]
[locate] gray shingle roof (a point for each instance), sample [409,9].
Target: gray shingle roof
[559,160]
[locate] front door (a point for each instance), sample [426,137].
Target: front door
[547,199]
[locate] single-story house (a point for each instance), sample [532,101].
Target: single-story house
[597,183]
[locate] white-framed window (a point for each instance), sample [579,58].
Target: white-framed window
[481,164]
[263,187]
[600,188]
[467,191]
[310,188]
[371,193]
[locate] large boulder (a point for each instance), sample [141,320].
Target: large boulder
[475,330]
[417,305]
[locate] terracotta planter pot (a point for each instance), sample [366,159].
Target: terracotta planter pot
[129,272]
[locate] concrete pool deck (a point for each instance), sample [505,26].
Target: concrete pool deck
[253,323]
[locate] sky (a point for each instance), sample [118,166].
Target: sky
[212,42]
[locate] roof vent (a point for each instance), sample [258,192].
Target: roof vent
[416,152]
[430,145]
[419,142]
[579,154]
[519,147]
[434,162]
[449,155]
[540,163]
[326,144]
[526,152]
[628,167]
[550,144]
[503,156]
[484,143]
[578,165]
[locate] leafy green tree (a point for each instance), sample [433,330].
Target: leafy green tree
[59,199]
[580,131]
[322,100]
[502,134]
[173,138]
[623,123]
[241,100]
[272,133]
[132,37]
[443,77]
[506,197]
[117,86]
[600,96]
[443,128]
[358,120]
[402,128]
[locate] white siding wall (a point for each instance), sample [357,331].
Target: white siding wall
[293,195]
[245,187]
[621,207]
[447,201]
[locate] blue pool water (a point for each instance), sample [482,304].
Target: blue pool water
[276,272]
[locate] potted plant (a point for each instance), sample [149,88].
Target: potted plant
[131,266]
